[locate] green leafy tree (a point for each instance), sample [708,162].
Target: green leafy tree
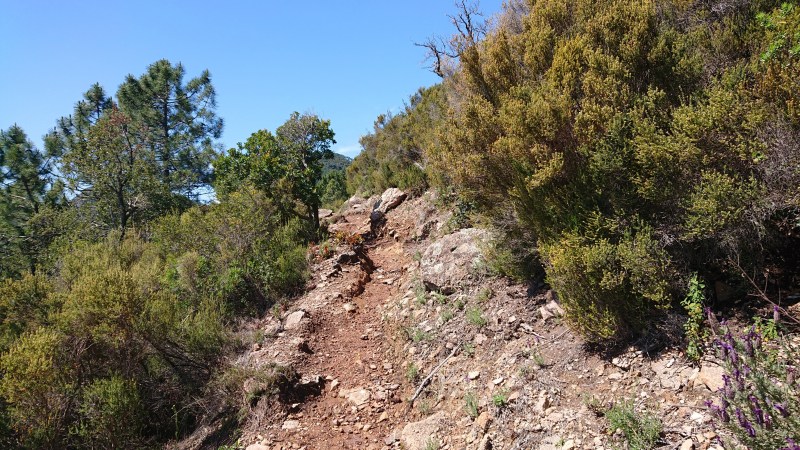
[181,121]
[115,169]
[333,187]
[305,141]
[287,165]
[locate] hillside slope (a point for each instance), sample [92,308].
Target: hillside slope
[405,306]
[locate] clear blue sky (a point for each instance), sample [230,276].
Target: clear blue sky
[344,60]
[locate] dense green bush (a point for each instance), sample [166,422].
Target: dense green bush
[651,119]
[24,304]
[395,154]
[110,414]
[239,251]
[37,388]
[609,290]
[117,343]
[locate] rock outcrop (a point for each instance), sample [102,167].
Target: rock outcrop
[450,262]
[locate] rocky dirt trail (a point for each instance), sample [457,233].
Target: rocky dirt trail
[335,334]
[406,300]
[361,403]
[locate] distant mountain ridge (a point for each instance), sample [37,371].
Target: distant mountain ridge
[338,162]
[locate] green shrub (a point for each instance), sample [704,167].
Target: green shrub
[475,317]
[24,304]
[447,315]
[693,303]
[641,430]
[243,387]
[500,399]
[412,372]
[110,414]
[37,387]
[609,290]
[418,335]
[471,401]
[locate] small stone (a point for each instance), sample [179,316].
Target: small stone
[290,425]
[687,445]
[474,374]
[480,338]
[358,397]
[294,319]
[349,307]
[551,310]
[615,376]
[696,416]
[543,403]
[334,384]
[483,421]
[383,417]
[710,376]
[621,363]
[569,445]
[498,380]
[257,447]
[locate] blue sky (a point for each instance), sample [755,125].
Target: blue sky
[344,60]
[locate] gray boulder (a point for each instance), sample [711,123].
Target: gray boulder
[418,435]
[450,261]
[294,320]
[390,199]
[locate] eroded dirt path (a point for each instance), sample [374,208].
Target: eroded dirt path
[361,401]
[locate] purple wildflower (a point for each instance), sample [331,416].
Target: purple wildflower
[740,417]
[727,387]
[750,430]
[781,408]
[748,348]
[729,352]
[719,411]
[792,445]
[755,406]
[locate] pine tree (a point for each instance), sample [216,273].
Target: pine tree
[180,119]
[71,132]
[24,173]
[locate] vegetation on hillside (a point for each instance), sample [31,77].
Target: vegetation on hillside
[620,146]
[119,288]
[630,151]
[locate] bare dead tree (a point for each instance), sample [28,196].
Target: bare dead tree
[469,23]
[437,52]
[470,27]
